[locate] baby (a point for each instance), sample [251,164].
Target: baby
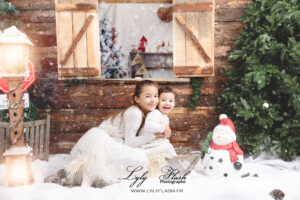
[156,122]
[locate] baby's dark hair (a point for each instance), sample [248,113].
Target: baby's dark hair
[166,89]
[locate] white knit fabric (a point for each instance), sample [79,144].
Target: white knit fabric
[106,151]
[155,122]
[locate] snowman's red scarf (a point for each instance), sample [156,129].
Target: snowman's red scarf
[233,149]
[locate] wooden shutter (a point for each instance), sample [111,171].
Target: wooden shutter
[77,31]
[193,38]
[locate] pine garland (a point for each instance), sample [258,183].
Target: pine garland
[9,15]
[7,8]
[195,83]
[30,114]
[263,93]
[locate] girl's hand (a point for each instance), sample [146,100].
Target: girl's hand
[167,132]
[159,135]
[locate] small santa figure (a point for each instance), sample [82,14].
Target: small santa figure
[224,157]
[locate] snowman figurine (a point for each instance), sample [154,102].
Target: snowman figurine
[224,157]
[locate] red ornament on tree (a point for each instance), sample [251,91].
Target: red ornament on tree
[143,42]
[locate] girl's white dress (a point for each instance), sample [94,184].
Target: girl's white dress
[109,151]
[155,122]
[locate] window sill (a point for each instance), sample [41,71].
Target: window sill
[128,80]
[184,80]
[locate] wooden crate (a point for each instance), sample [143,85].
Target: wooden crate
[36,135]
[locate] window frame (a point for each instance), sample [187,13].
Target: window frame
[174,79]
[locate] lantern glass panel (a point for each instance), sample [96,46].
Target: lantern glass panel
[14,59]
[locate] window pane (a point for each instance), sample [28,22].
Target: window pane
[122,26]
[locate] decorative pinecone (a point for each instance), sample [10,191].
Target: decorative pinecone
[277,194]
[57,178]
[53,179]
[61,173]
[165,14]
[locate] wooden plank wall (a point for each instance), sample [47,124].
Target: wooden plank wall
[79,105]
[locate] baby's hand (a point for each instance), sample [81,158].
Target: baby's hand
[167,132]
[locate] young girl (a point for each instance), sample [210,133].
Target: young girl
[107,152]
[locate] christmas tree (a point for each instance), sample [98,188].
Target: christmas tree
[263,93]
[110,55]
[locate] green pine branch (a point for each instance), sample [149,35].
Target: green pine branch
[7,8]
[263,94]
[30,114]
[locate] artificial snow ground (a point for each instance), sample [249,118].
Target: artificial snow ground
[272,172]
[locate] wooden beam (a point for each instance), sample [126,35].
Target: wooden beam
[64,72]
[191,71]
[190,33]
[15,111]
[77,39]
[195,7]
[135,1]
[79,7]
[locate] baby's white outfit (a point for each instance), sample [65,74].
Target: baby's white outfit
[155,122]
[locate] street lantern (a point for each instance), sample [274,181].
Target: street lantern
[14,53]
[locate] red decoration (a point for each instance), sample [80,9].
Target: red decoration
[26,84]
[227,122]
[143,42]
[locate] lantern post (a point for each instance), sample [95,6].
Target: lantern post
[14,53]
